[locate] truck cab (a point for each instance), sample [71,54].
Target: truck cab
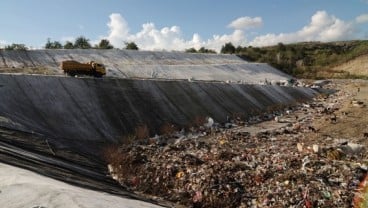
[99,69]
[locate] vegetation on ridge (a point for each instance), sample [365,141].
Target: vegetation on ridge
[308,59]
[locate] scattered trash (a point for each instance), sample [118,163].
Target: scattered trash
[220,166]
[299,147]
[357,103]
[315,148]
[209,123]
[352,148]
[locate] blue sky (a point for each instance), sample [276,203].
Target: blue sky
[180,24]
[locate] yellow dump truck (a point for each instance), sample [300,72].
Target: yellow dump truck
[73,68]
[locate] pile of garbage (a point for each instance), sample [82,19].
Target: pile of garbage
[214,166]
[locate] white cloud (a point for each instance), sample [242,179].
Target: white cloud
[119,30]
[243,23]
[3,43]
[167,38]
[322,27]
[151,38]
[217,41]
[362,18]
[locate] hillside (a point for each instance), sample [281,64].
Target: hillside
[344,59]
[357,66]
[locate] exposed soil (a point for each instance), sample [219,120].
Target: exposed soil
[313,155]
[357,66]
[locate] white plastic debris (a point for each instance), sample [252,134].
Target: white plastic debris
[315,148]
[305,161]
[352,148]
[209,123]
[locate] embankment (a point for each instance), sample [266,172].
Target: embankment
[92,109]
[145,64]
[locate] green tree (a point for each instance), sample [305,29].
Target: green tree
[48,43]
[57,45]
[131,46]
[16,46]
[239,49]
[82,43]
[53,45]
[228,48]
[68,45]
[205,50]
[191,50]
[105,44]
[281,47]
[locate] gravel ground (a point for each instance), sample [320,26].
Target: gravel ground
[312,155]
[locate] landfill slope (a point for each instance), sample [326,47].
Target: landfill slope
[93,109]
[147,64]
[59,126]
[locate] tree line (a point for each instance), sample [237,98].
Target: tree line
[80,43]
[83,43]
